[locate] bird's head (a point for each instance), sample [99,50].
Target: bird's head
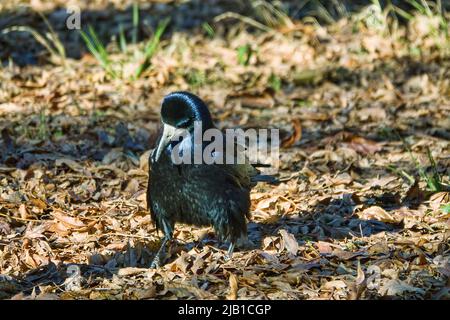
[180,111]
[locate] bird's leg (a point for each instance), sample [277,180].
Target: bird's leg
[160,255]
[230,251]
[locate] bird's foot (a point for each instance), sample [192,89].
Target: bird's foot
[229,253]
[160,256]
[156,263]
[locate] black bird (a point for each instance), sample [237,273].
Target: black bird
[196,194]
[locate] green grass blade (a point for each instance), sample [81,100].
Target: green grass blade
[446,208]
[435,179]
[402,13]
[98,45]
[244,53]
[122,39]
[54,38]
[433,182]
[208,29]
[91,46]
[135,22]
[98,50]
[151,47]
[401,173]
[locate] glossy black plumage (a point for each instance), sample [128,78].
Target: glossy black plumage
[197,194]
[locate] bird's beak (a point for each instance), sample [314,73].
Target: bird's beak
[168,133]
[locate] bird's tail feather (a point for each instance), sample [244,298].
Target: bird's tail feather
[265,178]
[261,165]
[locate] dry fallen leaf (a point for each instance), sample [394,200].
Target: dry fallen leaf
[262,100]
[23,211]
[324,247]
[364,146]
[360,281]
[75,166]
[378,213]
[335,284]
[438,199]
[68,221]
[290,243]
[293,137]
[233,287]
[397,287]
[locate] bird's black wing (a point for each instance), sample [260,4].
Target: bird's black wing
[246,174]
